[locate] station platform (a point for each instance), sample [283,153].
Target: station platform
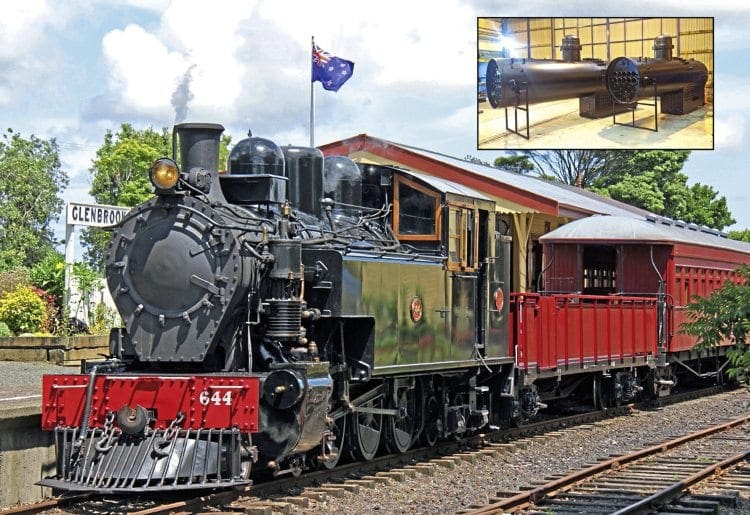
[21,386]
[27,453]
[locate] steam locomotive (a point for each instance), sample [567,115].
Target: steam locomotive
[266,329]
[298,309]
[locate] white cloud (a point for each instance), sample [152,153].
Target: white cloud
[22,33]
[421,43]
[146,67]
[142,69]
[239,53]
[731,92]
[729,130]
[148,5]
[19,26]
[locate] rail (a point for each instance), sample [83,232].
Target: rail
[535,495]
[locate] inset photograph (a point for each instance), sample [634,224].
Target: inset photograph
[619,83]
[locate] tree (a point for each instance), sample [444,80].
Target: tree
[226,140]
[724,315]
[515,163]
[652,180]
[120,169]
[119,176]
[653,169]
[475,160]
[743,235]
[575,167]
[649,179]
[637,190]
[705,208]
[31,181]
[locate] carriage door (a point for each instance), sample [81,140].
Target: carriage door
[463,225]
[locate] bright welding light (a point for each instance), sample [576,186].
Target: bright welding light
[164,174]
[506,42]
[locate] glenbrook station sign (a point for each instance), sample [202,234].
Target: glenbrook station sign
[94,214]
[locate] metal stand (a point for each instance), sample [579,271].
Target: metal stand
[633,107]
[521,89]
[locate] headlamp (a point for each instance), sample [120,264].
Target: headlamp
[164,174]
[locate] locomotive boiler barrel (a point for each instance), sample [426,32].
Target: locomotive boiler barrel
[543,79]
[631,79]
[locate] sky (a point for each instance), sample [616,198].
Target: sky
[73,69]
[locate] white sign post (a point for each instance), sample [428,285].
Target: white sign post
[96,215]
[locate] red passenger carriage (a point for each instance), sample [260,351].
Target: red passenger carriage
[615,292]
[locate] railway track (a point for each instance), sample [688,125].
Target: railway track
[637,482]
[348,477]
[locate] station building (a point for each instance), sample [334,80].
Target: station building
[526,207]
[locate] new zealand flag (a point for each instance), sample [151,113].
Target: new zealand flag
[330,70]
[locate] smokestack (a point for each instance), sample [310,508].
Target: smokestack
[199,145]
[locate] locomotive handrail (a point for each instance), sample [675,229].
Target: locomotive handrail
[376,253]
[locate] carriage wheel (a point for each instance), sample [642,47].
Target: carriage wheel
[431,429]
[365,431]
[400,429]
[597,393]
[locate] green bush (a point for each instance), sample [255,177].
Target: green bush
[48,274]
[22,310]
[12,279]
[102,319]
[5,331]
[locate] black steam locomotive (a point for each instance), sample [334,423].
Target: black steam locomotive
[269,330]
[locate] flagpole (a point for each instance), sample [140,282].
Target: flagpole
[312,98]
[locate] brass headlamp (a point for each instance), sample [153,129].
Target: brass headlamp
[164,175]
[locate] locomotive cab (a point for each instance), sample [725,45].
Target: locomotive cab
[437,217]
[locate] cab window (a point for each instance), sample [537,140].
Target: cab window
[416,211]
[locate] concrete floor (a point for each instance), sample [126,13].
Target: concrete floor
[556,125]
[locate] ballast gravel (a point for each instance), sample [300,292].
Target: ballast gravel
[454,490]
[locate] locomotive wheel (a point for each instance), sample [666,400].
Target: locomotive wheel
[400,429]
[431,429]
[365,432]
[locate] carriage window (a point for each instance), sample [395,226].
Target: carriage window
[416,211]
[599,265]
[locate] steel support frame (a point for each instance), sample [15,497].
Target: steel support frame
[632,108]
